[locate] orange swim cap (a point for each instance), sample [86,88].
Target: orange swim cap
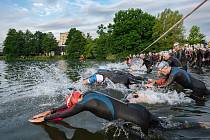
[72,99]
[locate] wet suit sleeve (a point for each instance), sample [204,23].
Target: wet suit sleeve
[59,115]
[61,108]
[169,62]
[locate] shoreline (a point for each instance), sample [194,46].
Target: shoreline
[47,58]
[33,58]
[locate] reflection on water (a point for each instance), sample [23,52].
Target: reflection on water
[79,133]
[27,88]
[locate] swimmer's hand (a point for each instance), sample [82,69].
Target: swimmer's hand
[37,120]
[43,114]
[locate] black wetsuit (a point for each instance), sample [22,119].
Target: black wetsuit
[121,77]
[185,79]
[174,62]
[108,108]
[149,63]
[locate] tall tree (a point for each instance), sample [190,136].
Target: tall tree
[10,43]
[20,44]
[165,20]
[49,42]
[28,39]
[132,31]
[38,46]
[195,36]
[75,43]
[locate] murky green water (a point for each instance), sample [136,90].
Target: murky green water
[27,88]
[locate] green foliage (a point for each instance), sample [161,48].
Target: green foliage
[28,44]
[132,31]
[75,43]
[89,49]
[49,42]
[101,29]
[129,34]
[111,57]
[10,43]
[103,46]
[195,36]
[165,20]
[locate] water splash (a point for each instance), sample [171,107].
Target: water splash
[34,80]
[78,85]
[117,66]
[118,87]
[153,97]
[120,128]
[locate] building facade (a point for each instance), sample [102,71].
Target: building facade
[63,38]
[62,41]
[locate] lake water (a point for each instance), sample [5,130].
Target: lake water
[27,88]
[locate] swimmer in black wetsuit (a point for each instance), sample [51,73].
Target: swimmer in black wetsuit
[102,106]
[173,61]
[115,76]
[183,78]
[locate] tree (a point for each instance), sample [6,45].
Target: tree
[165,20]
[75,43]
[89,47]
[20,44]
[101,29]
[10,43]
[195,35]
[103,46]
[28,43]
[132,31]
[49,42]
[37,40]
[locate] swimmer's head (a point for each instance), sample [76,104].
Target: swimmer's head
[73,98]
[163,68]
[96,78]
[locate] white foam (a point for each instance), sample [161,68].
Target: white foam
[153,97]
[119,87]
[47,104]
[45,80]
[117,66]
[79,86]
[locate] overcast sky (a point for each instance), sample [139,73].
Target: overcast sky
[60,15]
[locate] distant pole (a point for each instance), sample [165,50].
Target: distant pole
[175,25]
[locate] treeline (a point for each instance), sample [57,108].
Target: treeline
[130,32]
[19,43]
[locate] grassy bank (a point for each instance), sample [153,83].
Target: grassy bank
[48,58]
[2,58]
[32,58]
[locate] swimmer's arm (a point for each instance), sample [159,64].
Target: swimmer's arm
[151,82]
[64,114]
[61,108]
[160,81]
[168,82]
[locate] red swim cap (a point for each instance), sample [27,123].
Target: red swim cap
[73,98]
